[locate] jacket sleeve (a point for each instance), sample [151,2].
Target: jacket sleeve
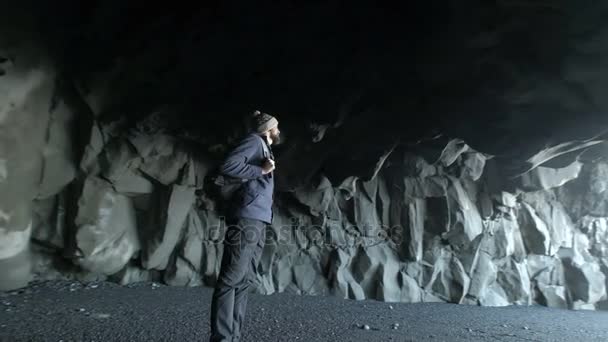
[237,164]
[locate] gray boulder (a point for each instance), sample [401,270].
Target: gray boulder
[107,234]
[494,295]
[553,296]
[318,197]
[163,231]
[465,220]
[534,230]
[513,277]
[185,265]
[585,281]
[410,291]
[483,274]
[545,269]
[553,213]
[447,278]
[341,279]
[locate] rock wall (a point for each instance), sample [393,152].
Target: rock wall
[104,147]
[434,223]
[36,157]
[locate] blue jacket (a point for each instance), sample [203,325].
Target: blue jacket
[254,199]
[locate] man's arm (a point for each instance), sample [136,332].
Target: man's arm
[237,164]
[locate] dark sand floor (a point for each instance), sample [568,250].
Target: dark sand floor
[56,311]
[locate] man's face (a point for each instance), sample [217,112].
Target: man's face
[275,135]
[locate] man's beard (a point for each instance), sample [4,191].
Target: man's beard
[276,138]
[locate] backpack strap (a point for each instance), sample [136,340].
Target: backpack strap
[266,150]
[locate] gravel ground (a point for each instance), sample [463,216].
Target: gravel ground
[67,311]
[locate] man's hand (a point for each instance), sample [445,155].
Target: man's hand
[268,166]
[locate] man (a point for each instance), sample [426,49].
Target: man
[250,211]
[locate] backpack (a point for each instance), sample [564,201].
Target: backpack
[224,187]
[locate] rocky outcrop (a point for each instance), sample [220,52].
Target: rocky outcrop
[107,234]
[36,160]
[420,230]
[101,179]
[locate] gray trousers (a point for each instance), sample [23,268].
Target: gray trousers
[243,245]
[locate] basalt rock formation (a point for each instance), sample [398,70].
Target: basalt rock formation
[477,176]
